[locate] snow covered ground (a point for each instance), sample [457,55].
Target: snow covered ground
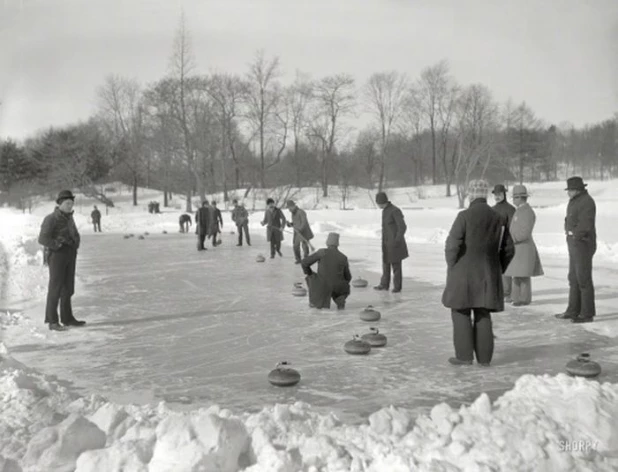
[165,322]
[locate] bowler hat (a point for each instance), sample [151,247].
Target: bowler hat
[381,198]
[499,189]
[576,183]
[520,191]
[64,195]
[290,204]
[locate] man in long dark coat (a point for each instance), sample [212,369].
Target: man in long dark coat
[581,235]
[333,277]
[478,250]
[274,219]
[394,247]
[302,230]
[506,211]
[216,223]
[96,219]
[61,240]
[202,224]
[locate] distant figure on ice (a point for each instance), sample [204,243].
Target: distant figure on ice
[302,230]
[581,236]
[477,251]
[506,210]
[202,224]
[394,247]
[61,240]
[240,217]
[274,219]
[96,219]
[526,262]
[216,222]
[333,277]
[184,221]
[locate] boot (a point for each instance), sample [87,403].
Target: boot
[455,361]
[56,327]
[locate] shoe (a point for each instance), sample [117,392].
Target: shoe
[296,262]
[520,304]
[272,256]
[74,323]
[483,364]
[564,316]
[340,302]
[455,361]
[583,319]
[248,244]
[396,290]
[56,327]
[380,287]
[238,245]
[279,252]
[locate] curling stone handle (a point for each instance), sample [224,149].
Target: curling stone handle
[584,357]
[369,306]
[375,330]
[283,363]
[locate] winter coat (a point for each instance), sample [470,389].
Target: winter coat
[394,247]
[300,223]
[240,216]
[202,220]
[95,215]
[216,221]
[526,262]
[274,219]
[505,210]
[58,230]
[581,219]
[333,275]
[478,250]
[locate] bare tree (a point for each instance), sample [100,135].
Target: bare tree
[522,136]
[385,93]
[412,128]
[298,96]
[265,111]
[334,99]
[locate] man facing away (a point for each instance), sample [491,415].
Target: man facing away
[333,277]
[302,230]
[506,211]
[274,219]
[240,217]
[216,223]
[96,219]
[581,236]
[478,250]
[394,247]
[202,224]
[61,240]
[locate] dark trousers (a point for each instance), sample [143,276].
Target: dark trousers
[201,237]
[214,236]
[581,287]
[275,246]
[61,285]
[471,337]
[522,290]
[97,226]
[240,228]
[296,245]
[386,275]
[507,284]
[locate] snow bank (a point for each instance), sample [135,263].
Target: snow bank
[46,426]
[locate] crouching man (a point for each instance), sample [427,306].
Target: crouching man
[61,239]
[333,277]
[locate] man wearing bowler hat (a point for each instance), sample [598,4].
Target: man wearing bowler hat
[506,211]
[394,247]
[581,236]
[61,240]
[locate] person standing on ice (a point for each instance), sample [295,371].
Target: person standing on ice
[302,230]
[526,262]
[581,236]
[96,219]
[333,277]
[240,217]
[202,225]
[61,240]
[506,210]
[394,247]
[477,251]
[216,222]
[274,219]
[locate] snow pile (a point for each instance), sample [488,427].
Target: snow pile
[45,426]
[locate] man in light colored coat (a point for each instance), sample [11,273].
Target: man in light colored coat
[302,230]
[526,262]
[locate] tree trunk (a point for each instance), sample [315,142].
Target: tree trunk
[134,188]
[433,154]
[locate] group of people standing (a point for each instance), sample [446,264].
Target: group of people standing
[491,257]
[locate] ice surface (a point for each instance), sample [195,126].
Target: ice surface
[167,322]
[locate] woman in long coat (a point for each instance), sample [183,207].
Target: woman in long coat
[526,263]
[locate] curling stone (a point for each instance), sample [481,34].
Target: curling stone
[126,236]
[582,366]
[369,314]
[359,283]
[131,235]
[260,258]
[299,290]
[357,346]
[374,339]
[164,232]
[146,233]
[232,232]
[283,376]
[141,237]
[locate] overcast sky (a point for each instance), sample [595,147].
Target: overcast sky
[560,56]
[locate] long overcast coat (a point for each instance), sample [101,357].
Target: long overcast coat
[477,252]
[526,262]
[394,247]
